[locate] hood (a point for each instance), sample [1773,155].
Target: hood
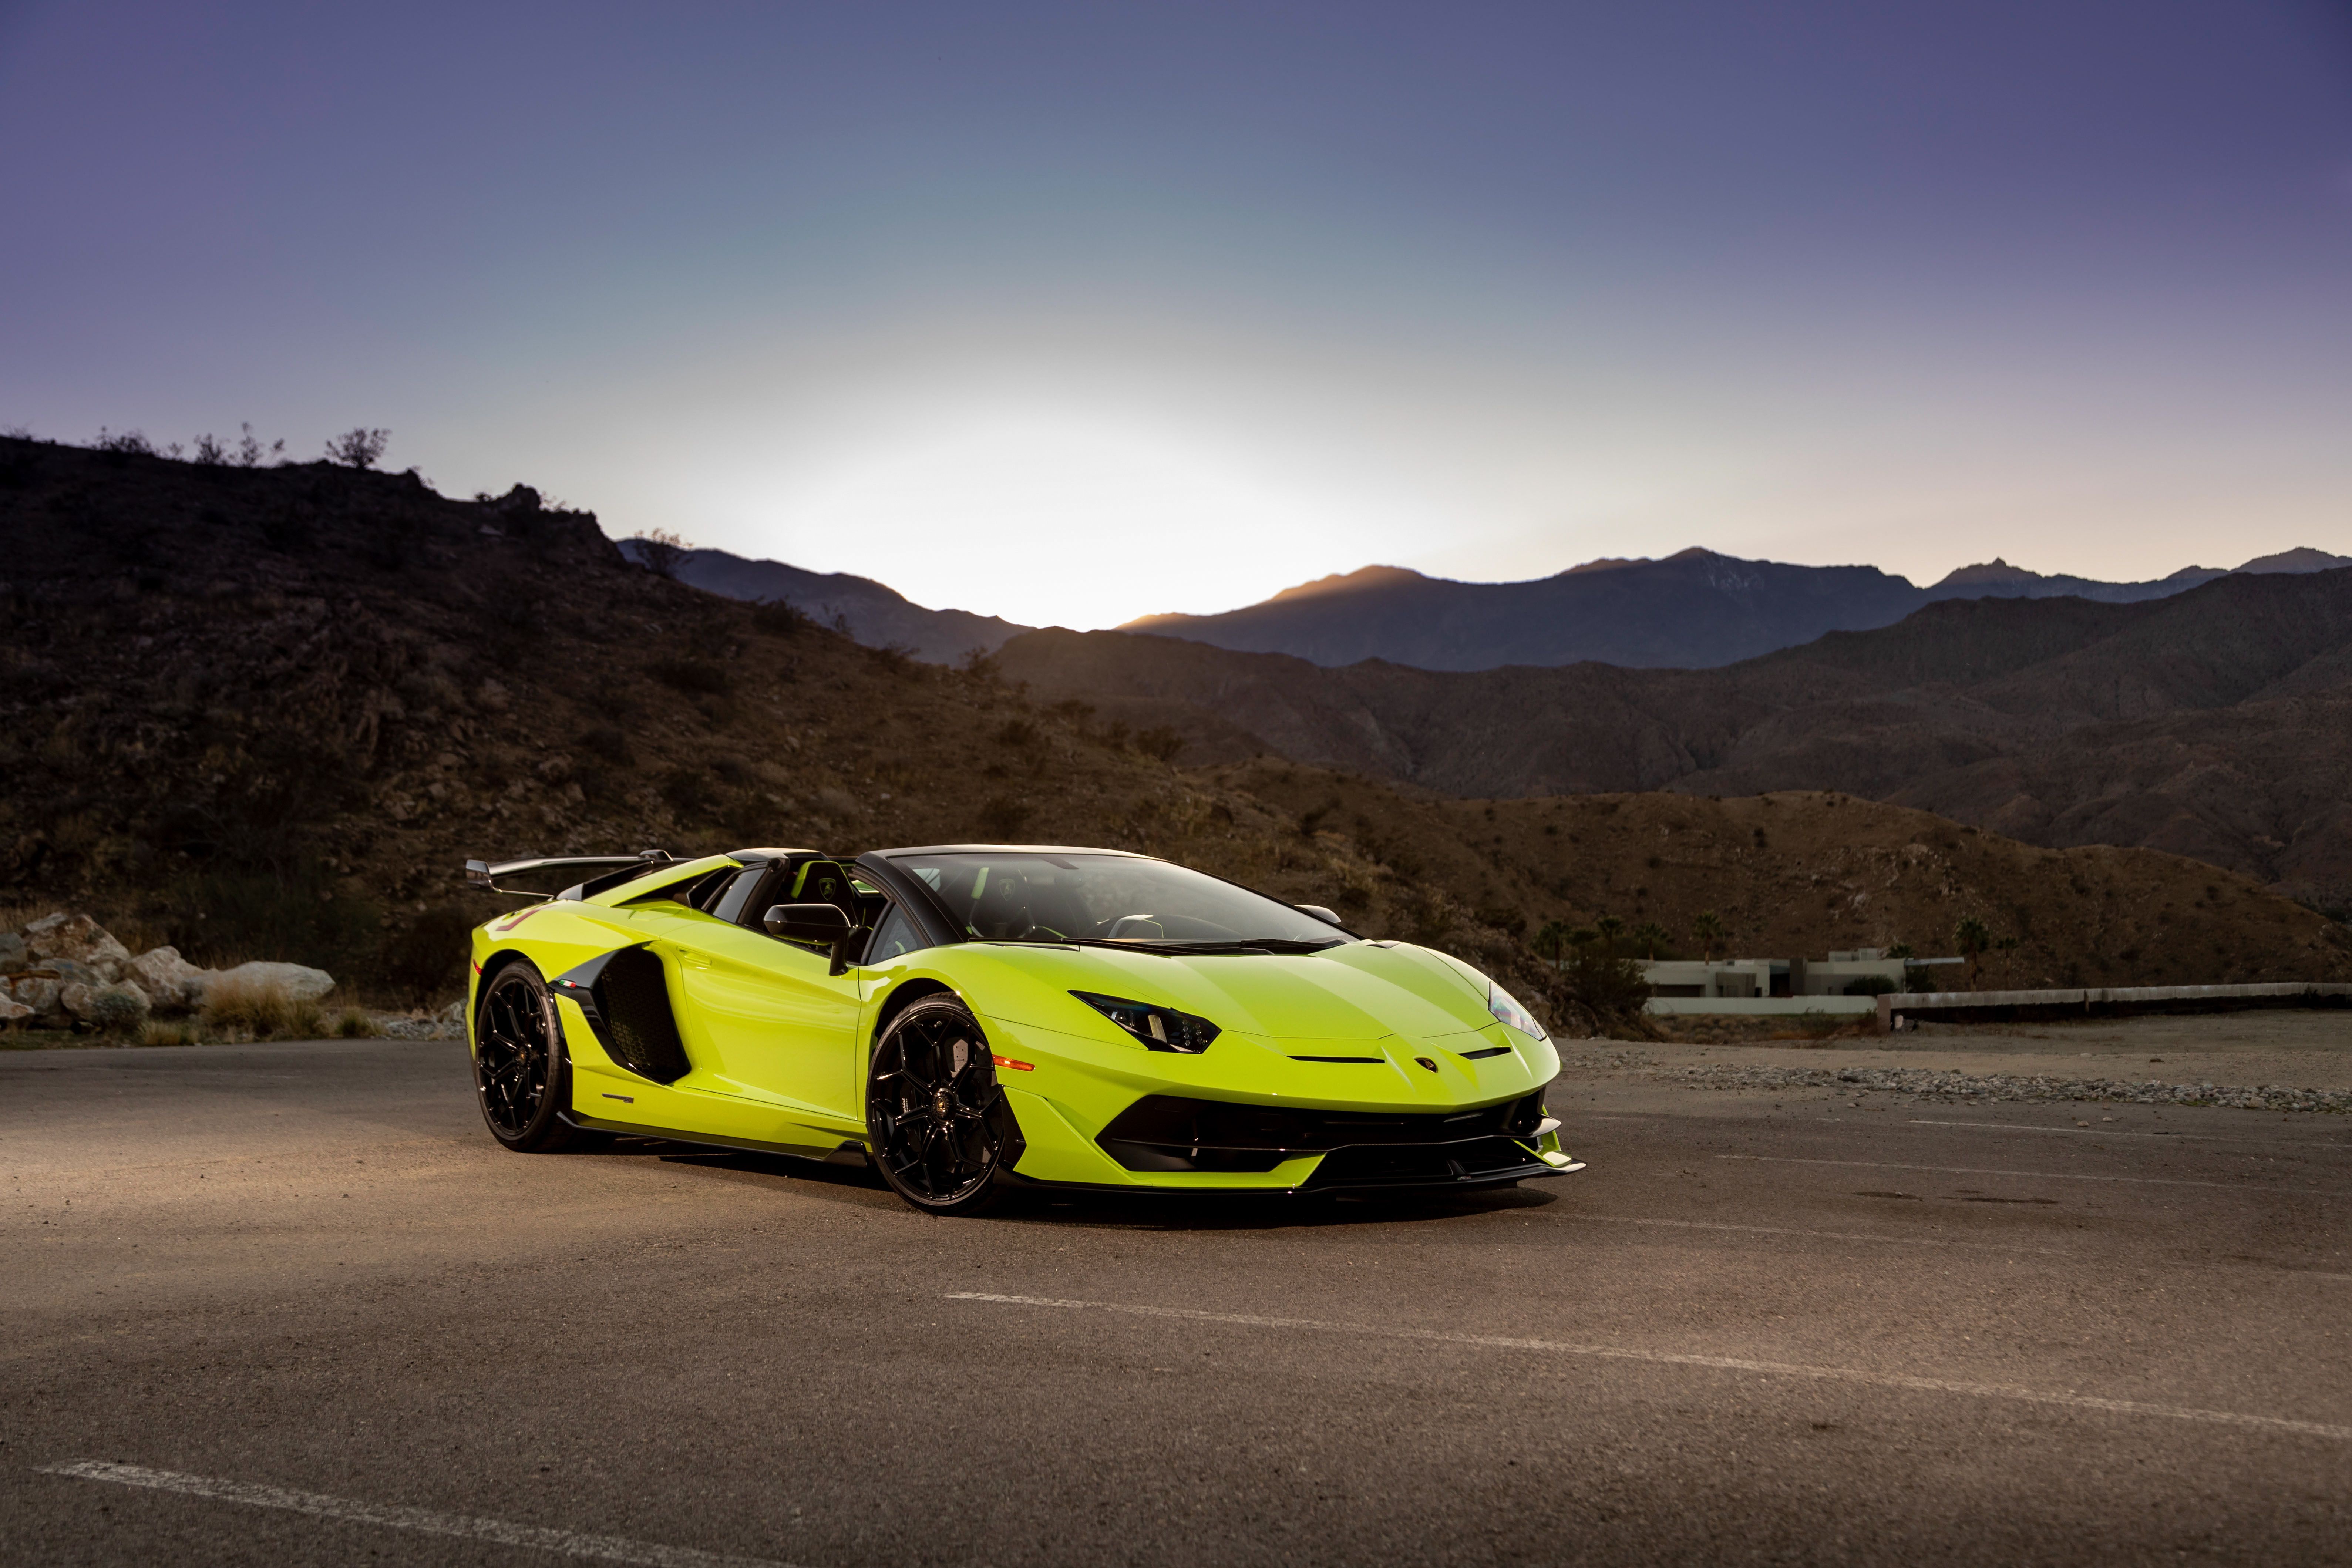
[1360,991]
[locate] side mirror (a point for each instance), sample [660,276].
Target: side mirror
[1327,916]
[811,922]
[808,923]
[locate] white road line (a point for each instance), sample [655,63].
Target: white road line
[2033,1175]
[1724,1363]
[1824,1235]
[570,1543]
[2120,1132]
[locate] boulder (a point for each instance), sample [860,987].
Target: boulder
[75,999]
[11,1010]
[171,982]
[296,982]
[37,994]
[77,937]
[13,956]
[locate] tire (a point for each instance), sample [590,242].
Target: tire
[522,1075]
[940,1126]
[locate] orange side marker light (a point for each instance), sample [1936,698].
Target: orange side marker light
[1009,1062]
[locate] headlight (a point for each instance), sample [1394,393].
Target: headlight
[1505,1007]
[1160,1028]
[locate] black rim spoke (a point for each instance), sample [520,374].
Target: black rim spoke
[934,1086]
[514,1062]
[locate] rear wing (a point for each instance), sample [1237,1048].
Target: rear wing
[483,875]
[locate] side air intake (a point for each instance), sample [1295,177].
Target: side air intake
[625,999]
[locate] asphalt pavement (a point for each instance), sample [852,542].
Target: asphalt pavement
[290,1304]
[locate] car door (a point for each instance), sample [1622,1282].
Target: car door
[780,1027]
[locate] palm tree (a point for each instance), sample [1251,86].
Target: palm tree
[1708,927]
[1610,927]
[1648,938]
[1972,936]
[1551,942]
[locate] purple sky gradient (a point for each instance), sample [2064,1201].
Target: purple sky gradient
[1073,311]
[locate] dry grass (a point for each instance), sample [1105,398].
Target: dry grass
[355,1024]
[177,1032]
[235,1010]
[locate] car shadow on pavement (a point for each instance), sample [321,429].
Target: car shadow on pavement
[1110,1210]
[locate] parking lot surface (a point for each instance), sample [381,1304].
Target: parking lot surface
[289,1304]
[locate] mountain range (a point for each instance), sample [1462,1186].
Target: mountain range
[1695,610]
[2215,722]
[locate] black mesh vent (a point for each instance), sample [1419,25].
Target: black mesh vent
[1166,1133]
[634,996]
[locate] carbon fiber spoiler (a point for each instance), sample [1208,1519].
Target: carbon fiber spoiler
[483,875]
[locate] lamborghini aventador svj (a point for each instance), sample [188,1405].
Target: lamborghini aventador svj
[974,1018]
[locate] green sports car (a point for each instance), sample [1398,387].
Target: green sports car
[974,1018]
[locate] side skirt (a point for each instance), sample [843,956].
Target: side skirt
[849,1152]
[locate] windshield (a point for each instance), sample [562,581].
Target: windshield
[1029,897]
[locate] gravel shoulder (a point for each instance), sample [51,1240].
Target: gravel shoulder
[2280,1060]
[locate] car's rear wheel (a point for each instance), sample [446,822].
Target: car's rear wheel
[941,1132]
[521,1075]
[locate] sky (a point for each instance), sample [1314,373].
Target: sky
[1073,312]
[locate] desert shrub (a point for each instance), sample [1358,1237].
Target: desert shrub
[779,619]
[426,958]
[607,742]
[695,677]
[261,1012]
[1161,741]
[130,442]
[1017,732]
[359,448]
[1870,986]
[896,658]
[209,452]
[978,663]
[156,1032]
[1596,975]
[688,792]
[1002,819]
[1502,917]
[659,552]
[119,1009]
[355,1024]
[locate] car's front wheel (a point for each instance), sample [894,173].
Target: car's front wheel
[941,1129]
[521,1076]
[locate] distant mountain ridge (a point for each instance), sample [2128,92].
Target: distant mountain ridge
[871,612]
[1695,610]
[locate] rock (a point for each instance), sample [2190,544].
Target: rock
[39,993]
[171,982]
[77,937]
[13,957]
[295,981]
[76,999]
[120,1007]
[65,972]
[11,1010]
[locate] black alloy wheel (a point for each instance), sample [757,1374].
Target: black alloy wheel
[942,1134]
[520,1072]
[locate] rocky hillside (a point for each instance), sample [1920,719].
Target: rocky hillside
[268,712]
[2215,723]
[1807,872]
